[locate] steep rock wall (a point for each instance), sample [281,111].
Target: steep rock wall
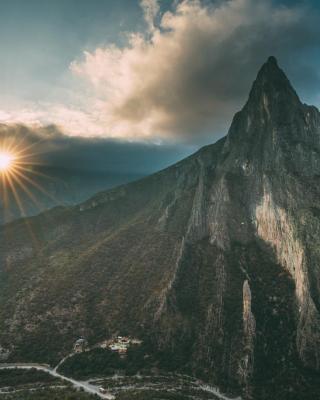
[275,226]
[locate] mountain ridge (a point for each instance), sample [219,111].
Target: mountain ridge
[54,186]
[215,259]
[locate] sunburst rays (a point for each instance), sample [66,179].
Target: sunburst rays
[19,168]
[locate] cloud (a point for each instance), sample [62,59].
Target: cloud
[182,80]
[48,146]
[185,79]
[150,9]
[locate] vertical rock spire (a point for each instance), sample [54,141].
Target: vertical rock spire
[246,366]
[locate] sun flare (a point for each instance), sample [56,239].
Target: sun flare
[20,175]
[6,161]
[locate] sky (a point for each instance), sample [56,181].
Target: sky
[164,76]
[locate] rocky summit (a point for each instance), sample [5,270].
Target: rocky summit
[215,260]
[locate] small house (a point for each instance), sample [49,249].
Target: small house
[80,345]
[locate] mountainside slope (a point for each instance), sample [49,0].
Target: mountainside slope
[215,259]
[52,186]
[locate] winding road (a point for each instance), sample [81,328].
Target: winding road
[85,385]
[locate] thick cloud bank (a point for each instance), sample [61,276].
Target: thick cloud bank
[49,147]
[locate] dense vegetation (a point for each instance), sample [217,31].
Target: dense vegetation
[50,394]
[139,359]
[23,384]
[150,395]
[17,377]
[103,362]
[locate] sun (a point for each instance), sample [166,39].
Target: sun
[20,175]
[6,161]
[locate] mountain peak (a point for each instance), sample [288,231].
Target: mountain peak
[272,103]
[272,60]
[270,69]
[272,82]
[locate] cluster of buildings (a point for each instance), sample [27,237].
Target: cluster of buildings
[118,344]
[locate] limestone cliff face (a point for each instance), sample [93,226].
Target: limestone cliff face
[256,201]
[216,259]
[277,228]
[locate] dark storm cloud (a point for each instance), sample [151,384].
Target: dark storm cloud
[49,147]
